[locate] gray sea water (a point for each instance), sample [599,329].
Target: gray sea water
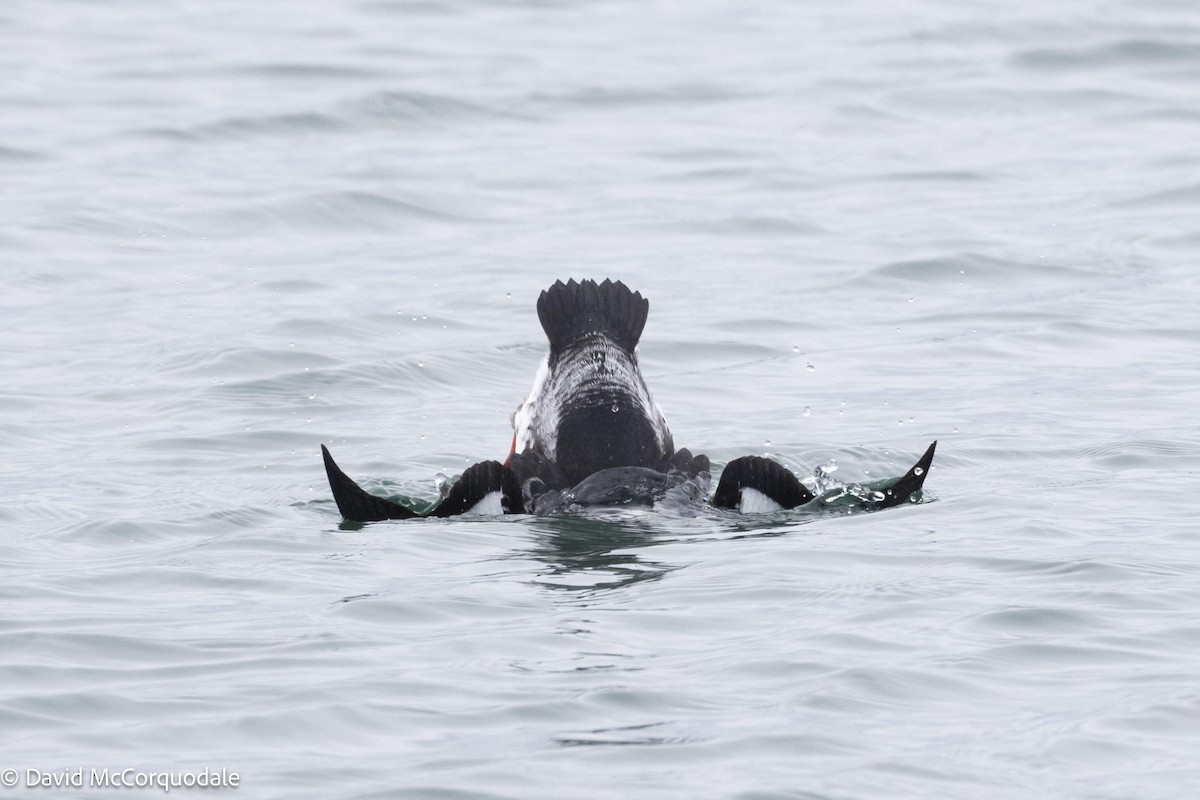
[232,231]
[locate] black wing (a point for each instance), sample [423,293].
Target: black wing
[764,475]
[909,483]
[479,481]
[354,502]
[779,484]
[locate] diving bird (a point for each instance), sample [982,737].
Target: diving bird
[589,433]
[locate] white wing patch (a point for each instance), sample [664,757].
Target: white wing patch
[489,506]
[755,502]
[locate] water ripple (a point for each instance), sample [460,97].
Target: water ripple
[408,107]
[1119,54]
[233,235]
[634,96]
[268,126]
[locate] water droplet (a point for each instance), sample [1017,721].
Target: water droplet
[420,363]
[900,421]
[807,411]
[918,471]
[508,294]
[312,397]
[795,348]
[810,367]
[911,299]
[835,497]
[615,408]
[767,443]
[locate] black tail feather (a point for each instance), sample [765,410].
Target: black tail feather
[569,311]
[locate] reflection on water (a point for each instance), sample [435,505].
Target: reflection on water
[650,733]
[597,551]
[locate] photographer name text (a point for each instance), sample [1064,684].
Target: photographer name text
[127,778]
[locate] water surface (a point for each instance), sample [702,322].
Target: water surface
[233,232]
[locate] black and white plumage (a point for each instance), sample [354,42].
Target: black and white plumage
[589,409]
[590,434]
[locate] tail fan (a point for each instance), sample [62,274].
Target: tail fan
[573,310]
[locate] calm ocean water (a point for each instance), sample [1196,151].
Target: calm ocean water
[233,231]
